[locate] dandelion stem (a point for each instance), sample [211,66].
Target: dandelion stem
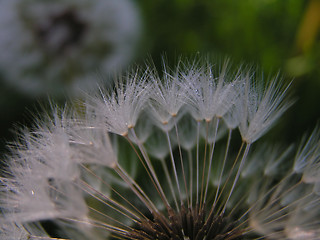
[229,175]
[204,163]
[211,156]
[118,206]
[154,177]
[109,217]
[166,172]
[223,166]
[264,196]
[116,192]
[198,133]
[190,175]
[174,166]
[245,154]
[135,188]
[181,161]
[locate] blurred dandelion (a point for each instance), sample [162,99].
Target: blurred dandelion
[51,46]
[157,158]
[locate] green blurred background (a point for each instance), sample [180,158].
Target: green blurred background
[277,35]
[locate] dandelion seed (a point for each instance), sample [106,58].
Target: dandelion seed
[259,107]
[125,168]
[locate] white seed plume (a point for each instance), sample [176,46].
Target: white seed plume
[121,108]
[260,106]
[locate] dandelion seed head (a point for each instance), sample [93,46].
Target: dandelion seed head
[156,158]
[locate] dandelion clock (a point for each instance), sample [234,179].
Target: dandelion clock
[175,155]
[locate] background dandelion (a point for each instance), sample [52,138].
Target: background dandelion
[49,47]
